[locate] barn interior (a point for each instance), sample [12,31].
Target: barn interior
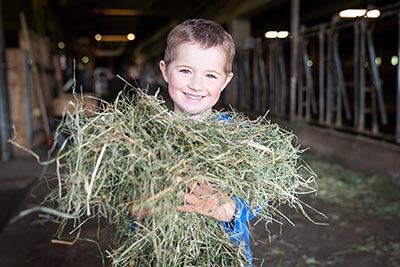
[332,80]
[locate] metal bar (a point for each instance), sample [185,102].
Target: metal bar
[256,79]
[283,79]
[300,89]
[248,88]
[341,86]
[374,113]
[375,78]
[5,124]
[271,74]
[294,29]
[263,77]
[329,87]
[321,67]
[275,75]
[242,82]
[361,112]
[337,90]
[305,94]
[356,74]
[398,84]
[258,60]
[311,102]
[308,80]
[242,89]
[240,79]
[278,83]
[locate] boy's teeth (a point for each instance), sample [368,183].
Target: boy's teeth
[193,96]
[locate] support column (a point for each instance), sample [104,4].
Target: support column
[321,71]
[5,128]
[240,29]
[294,30]
[398,85]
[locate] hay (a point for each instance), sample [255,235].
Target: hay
[130,154]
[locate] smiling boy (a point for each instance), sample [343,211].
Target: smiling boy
[196,78]
[197,66]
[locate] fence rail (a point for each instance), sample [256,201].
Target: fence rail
[348,76]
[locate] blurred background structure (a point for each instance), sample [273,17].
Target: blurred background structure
[306,61]
[329,70]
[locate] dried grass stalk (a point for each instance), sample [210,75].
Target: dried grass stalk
[130,153]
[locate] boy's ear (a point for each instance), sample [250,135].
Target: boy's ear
[228,79]
[163,68]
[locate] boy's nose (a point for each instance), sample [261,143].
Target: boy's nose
[196,83]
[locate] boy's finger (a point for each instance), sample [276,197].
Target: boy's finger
[189,198]
[206,188]
[195,188]
[185,208]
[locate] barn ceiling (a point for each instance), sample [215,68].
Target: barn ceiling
[76,22]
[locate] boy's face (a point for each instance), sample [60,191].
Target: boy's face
[195,78]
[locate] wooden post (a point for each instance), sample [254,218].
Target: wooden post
[37,80]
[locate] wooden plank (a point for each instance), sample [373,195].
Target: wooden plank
[66,102]
[17,100]
[16,96]
[29,130]
[37,79]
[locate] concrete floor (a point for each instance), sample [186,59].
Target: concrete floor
[28,241]
[16,179]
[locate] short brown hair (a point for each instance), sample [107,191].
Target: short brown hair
[206,33]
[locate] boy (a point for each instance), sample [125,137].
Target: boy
[197,66]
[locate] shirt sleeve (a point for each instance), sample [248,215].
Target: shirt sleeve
[237,229]
[132,223]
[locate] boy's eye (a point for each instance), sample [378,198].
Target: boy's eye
[184,71]
[212,76]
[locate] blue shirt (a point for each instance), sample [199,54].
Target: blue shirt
[238,229]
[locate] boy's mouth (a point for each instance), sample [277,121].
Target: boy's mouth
[193,97]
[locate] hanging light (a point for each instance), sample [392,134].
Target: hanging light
[130,36]
[373,14]
[61,45]
[283,34]
[276,34]
[115,38]
[359,13]
[85,59]
[98,37]
[394,60]
[271,34]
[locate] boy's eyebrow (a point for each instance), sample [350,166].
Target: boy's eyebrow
[190,67]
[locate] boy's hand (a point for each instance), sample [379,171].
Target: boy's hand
[204,201]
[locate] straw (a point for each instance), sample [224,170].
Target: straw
[134,153]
